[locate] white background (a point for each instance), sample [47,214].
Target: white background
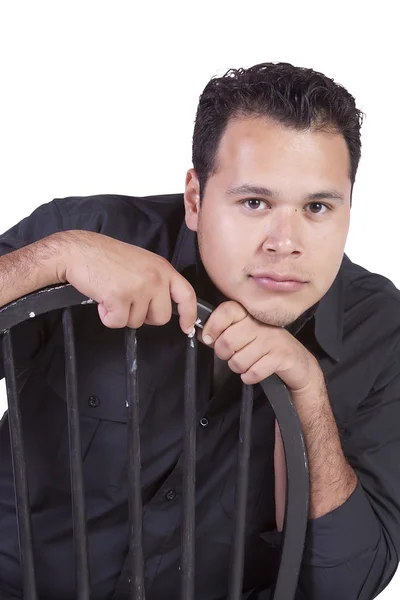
[100,97]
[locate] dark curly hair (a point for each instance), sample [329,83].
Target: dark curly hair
[294,96]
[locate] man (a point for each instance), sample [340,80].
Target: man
[260,233]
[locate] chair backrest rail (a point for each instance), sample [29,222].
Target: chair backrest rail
[237,564]
[137,591]
[82,577]
[189,473]
[297,491]
[20,474]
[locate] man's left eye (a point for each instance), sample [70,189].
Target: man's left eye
[318,206]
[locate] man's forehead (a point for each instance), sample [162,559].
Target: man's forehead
[253,147]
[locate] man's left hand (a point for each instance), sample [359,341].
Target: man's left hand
[256,350]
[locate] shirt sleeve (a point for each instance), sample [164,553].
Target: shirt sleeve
[353,552]
[125,218]
[28,336]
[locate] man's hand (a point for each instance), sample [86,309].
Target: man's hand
[256,350]
[131,285]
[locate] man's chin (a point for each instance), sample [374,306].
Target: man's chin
[275,315]
[273,318]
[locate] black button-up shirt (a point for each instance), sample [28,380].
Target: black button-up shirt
[354,331]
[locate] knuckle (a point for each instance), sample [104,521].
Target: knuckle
[116,291]
[153,276]
[254,373]
[227,308]
[233,308]
[225,344]
[189,295]
[235,364]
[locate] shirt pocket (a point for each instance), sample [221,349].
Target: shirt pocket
[102,416]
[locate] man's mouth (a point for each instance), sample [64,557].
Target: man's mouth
[280,282]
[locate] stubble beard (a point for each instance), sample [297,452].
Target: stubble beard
[274,319]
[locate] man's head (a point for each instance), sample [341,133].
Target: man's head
[275,154]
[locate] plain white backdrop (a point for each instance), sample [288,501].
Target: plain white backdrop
[100,97]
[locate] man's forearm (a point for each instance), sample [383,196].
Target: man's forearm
[332,480]
[33,267]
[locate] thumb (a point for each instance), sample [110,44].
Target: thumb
[183,294]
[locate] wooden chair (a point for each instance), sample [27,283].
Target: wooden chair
[64,297]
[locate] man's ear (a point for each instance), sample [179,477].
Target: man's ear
[192,200]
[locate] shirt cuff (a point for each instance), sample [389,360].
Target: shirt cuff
[339,535]
[343,533]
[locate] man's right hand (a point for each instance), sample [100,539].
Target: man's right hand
[131,285]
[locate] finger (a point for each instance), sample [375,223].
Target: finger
[185,297]
[234,338]
[138,313]
[160,309]
[225,315]
[114,315]
[199,333]
[245,358]
[259,371]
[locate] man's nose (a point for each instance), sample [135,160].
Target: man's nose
[282,233]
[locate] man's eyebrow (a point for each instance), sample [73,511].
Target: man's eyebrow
[257,190]
[325,195]
[247,188]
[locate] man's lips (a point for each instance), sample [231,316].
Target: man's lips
[278,282]
[277,276]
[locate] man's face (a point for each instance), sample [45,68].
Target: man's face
[277,208]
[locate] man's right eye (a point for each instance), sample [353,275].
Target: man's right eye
[254,204]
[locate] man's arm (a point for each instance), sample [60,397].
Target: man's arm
[332,479]
[30,252]
[353,538]
[22,270]
[31,268]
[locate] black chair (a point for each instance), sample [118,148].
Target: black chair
[296,512]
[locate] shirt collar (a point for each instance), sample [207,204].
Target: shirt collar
[329,318]
[185,252]
[327,313]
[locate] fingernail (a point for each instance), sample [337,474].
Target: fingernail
[207,340]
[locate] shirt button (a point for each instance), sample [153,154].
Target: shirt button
[93,401]
[204,422]
[170,495]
